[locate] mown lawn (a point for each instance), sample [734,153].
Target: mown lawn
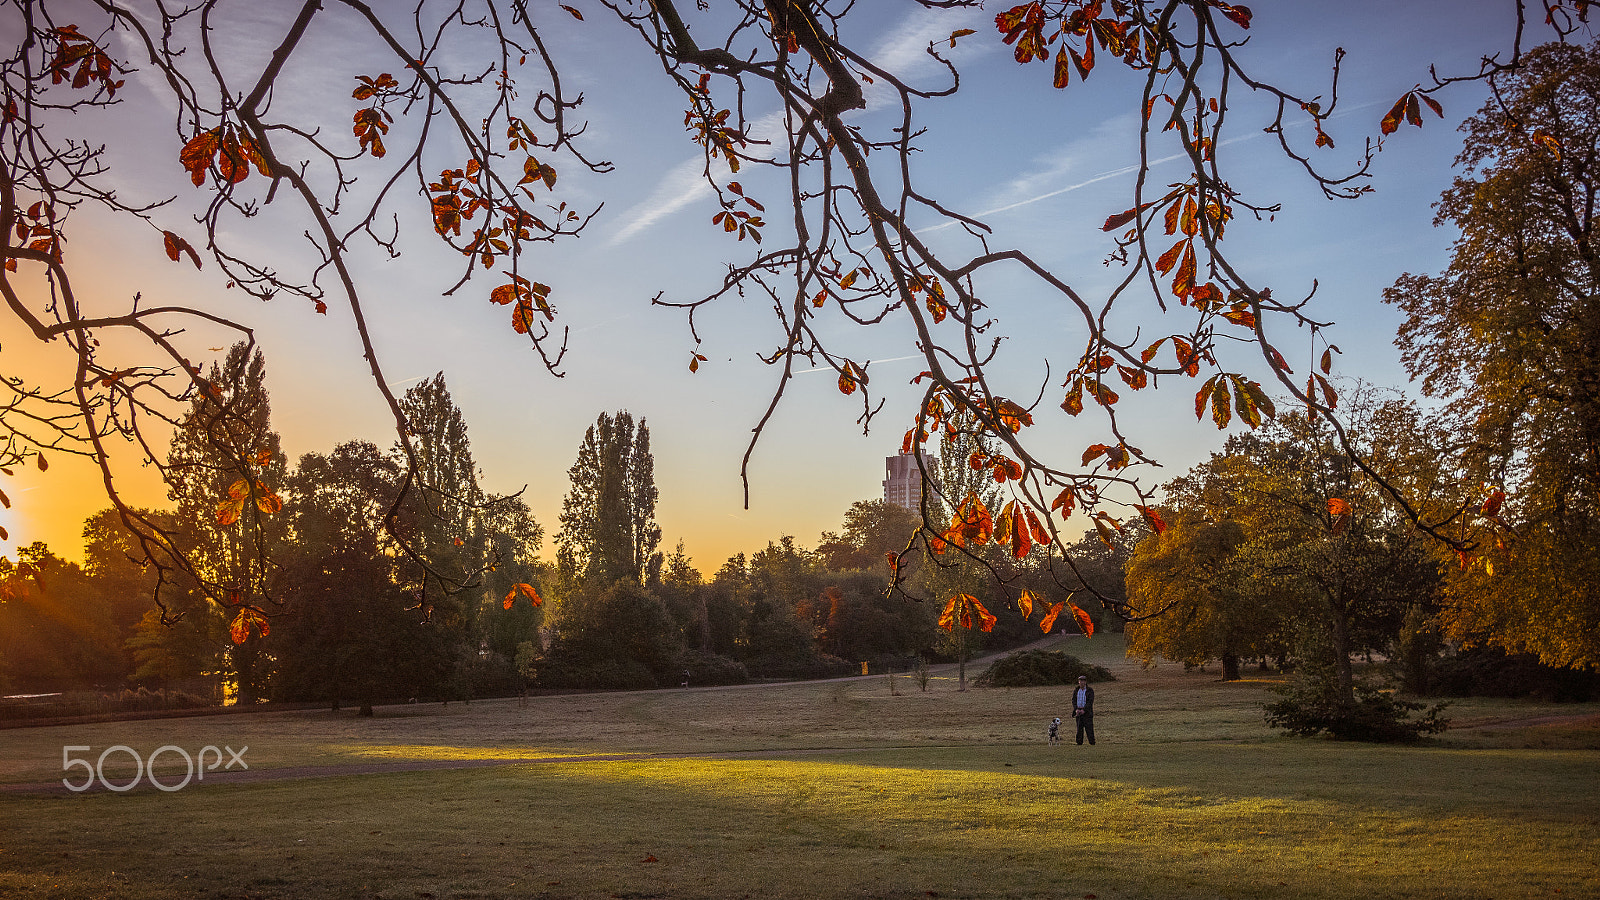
[841,789]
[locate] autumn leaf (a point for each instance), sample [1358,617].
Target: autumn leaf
[1024,26]
[525,590]
[1490,508]
[1339,511]
[1025,604]
[242,624]
[176,246]
[1063,77]
[197,153]
[1064,501]
[971,525]
[575,14]
[1152,518]
[1073,404]
[1049,620]
[1041,535]
[1239,15]
[1183,282]
[266,500]
[1085,623]
[966,610]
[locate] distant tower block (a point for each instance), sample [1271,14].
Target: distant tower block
[903,486]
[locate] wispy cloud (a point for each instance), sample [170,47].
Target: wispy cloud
[1064,163]
[683,184]
[870,362]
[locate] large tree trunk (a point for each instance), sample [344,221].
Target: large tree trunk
[1230,666]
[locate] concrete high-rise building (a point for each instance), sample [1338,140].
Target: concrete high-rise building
[904,483]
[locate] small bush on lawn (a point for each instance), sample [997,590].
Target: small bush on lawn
[1039,668]
[1376,716]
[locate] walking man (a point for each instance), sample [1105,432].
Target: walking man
[1083,709]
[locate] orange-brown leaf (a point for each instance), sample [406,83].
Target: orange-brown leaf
[1025,604]
[1049,620]
[1085,623]
[176,246]
[197,154]
[246,620]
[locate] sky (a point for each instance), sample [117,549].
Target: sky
[1043,167]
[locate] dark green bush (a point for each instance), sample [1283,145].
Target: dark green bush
[1492,673]
[1377,716]
[711,668]
[1039,668]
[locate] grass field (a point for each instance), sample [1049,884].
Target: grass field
[836,789]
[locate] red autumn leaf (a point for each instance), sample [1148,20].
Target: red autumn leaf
[42,462]
[1170,258]
[1063,77]
[1490,508]
[176,245]
[1413,114]
[1064,501]
[986,620]
[266,500]
[196,155]
[1122,218]
[1073,404]
[1011,532]
[228,511]
[1391,119]
[1041,535]
[1085,623]
[525,590]
[575,14]
[847,383]
[1239,15]
[1221,411]
[248,618]
[1152,518]
[1136,379]
[1049,619]
[1183,282]
[1025,604]
[1339,510]
[971,525]
[1024,25]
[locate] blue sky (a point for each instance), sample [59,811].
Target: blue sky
[1043,167]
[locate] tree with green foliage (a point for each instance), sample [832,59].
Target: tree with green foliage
[350,631]
[223,472]
[872,530]
[1285,543]
[56,631]
[608,527]
[1187,570]
[1509,335]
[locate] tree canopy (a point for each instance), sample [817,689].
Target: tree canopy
[468,121]
[1509,335]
